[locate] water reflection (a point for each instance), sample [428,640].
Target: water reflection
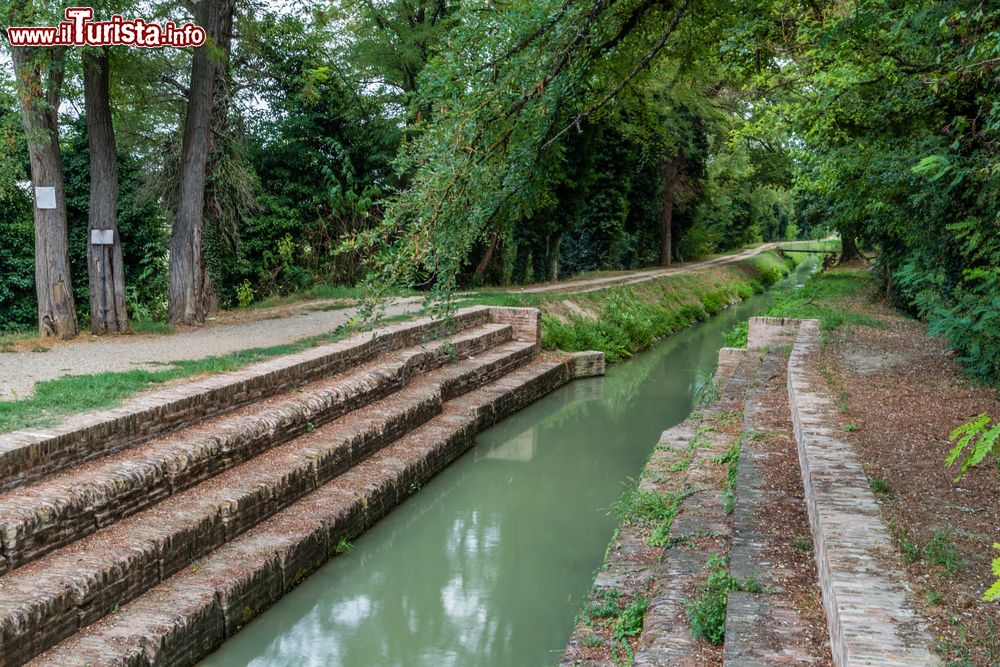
[488,563]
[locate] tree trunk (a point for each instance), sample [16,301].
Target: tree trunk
[104,260]
[190,292]
[848,247]
[554,258]
[668,176]
[484,263]
[39,109]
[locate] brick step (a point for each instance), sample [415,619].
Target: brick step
[38,518]
[49,599]
[30,454]
[195,610]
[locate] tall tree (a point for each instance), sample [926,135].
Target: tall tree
[104,251]
[190,289]
[668,177]
[40,73]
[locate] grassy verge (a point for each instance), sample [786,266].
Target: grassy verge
[820,299]
[71,394]
[621,321]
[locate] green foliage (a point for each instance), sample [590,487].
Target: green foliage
[974,441]
[731,459]
[897,148]
[244,294]
[706,389]
[628,625]
[631,320]
[736,336]
[605,604]
[707,611]
[993,594]
[17,268]
[550,129]
[941,550]
[878,485]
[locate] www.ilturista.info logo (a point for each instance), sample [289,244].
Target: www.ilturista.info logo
[79,30]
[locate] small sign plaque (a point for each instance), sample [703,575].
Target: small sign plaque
[45,198]
[102,237]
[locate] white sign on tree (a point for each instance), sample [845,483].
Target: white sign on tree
[102,237]
[45,198]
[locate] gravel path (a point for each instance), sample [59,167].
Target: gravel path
[19,371]
[90,354]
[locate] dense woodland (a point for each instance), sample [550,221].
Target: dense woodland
[434,144]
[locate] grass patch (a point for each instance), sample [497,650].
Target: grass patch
[909,550]
[9,339]
[822,299]
[802,542]
[325,290]
[941,550]
[878,485]
[731,459]
[71,394]
[82,393]
[641,507]
[631,318]
[150,327]
[707,611]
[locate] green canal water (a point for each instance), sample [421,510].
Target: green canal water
[488,564]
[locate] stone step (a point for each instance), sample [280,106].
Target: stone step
[31,454]
[771,626]
[38,518]
[194,611]
[49,599]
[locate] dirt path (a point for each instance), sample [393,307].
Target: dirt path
[19,371]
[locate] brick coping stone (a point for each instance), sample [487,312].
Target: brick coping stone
[872,618]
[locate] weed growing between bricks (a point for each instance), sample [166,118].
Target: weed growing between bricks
[706,612]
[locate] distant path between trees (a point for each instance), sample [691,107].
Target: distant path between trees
[19,371]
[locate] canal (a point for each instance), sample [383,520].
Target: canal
[488,564]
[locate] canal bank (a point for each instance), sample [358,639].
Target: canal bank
[489,563]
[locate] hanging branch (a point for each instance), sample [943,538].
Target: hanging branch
[640,66]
